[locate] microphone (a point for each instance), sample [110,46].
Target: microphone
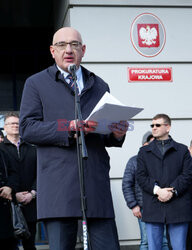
[72,68]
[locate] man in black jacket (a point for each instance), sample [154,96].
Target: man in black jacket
[22,155]
[164,173]
[133,195]
[9,182]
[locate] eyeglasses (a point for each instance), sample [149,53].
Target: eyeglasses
[63,45]
[157,125]
[12,123]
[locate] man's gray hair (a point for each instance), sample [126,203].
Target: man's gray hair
[10,114]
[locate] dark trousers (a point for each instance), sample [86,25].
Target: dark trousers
[8,244]
[62,234]
[29,244]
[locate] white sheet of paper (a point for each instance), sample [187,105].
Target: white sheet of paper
[109,110]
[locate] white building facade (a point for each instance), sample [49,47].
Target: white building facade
[111,31]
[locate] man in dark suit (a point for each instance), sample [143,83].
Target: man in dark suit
[9,182]
[23,157]
[164,173]
[48,99]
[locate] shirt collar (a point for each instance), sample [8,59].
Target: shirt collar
[78,72]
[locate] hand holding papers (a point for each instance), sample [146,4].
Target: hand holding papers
[109,110]
[119,129]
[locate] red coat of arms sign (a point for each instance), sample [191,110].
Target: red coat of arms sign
[148,35]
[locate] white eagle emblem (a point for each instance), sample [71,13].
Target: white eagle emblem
[149,35]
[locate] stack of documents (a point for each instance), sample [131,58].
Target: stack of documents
[109,110]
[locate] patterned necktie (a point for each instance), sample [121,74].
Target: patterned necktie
[69,80]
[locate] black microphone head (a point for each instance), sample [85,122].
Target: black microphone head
[72,68]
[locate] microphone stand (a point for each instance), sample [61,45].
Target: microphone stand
[82,156]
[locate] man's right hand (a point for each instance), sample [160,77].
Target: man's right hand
[136,212]
[164,194]
[86,126]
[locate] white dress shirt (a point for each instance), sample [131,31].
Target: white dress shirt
[80,83]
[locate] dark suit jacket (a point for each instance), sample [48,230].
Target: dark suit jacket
[12,181]
[173,169]
[47,100]
[26,164]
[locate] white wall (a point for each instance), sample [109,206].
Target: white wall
[130,3]
[173,98]
[106,32]
[105,26]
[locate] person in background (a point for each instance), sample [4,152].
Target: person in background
[133,195]
[189,233]
[190,148]
[22,155]
[1,136]
[164,173]
[9,183]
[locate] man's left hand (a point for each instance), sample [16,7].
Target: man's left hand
[5,192]
[119,129]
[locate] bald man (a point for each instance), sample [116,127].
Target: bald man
[47,119]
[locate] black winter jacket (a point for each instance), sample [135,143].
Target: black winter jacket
[12,181]
[172,169]
[131,190]
[25,161]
